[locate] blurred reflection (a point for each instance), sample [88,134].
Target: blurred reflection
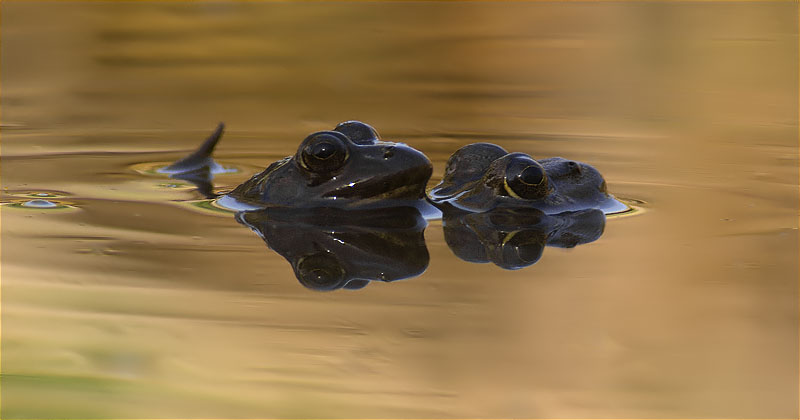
[202,178]
[331,248]
[513,238]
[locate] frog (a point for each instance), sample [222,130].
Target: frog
[348,208]
[349,166]
[482,176]
[331,248]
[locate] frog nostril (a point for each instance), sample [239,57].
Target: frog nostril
[388,152]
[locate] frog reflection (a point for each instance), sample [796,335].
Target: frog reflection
[332,248]
[482,176]
[515,237]
[348,167]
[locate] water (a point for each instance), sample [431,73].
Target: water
[130,299]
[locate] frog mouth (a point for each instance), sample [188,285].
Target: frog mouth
[406,184]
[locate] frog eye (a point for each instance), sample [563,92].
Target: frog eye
[320,271]
[525,178]
[323,152]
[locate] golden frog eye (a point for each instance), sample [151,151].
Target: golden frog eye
[525,178]
[323,152]
[531,175]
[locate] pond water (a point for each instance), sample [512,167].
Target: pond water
[124,297]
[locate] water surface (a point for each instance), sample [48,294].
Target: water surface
[125,300]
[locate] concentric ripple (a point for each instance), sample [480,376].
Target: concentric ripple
[154,169]
[37,200]
[635,207]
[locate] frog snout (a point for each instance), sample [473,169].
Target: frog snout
[575,167]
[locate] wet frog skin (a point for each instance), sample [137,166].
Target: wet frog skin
[483,176]
[346,167]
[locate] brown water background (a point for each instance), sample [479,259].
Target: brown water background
[134,304]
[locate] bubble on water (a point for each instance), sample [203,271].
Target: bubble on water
[40,204]
[35,193]
[37,204]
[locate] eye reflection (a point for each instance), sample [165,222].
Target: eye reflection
[521,248]
[331,248]
[319,271]
[515,237]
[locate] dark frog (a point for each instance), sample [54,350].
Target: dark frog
[482,176]
[346,167]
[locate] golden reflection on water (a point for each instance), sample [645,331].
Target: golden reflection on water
[135,306]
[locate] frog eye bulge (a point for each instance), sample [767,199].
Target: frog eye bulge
[531,175]
[323,152]
[320,271]
[525,178]
[523,248]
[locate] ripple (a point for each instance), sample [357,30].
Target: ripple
[36,200]
[635,207]
[37,194]
[175,186]
[636,201]
[38,204]
[154,168]
[231,204]
[208,206]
